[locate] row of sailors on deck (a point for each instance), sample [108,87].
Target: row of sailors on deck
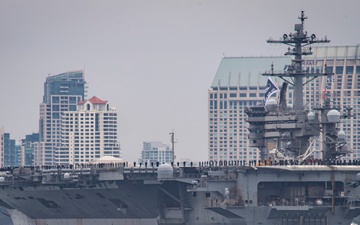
[212,163]
[290,162]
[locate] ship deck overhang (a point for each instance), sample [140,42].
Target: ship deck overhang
[279,211]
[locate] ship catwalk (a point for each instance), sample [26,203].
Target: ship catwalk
[288,186]
[265,192]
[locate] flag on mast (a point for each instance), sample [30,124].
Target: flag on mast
[327,86]
[270,89]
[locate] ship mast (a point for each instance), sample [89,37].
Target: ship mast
[289,132]
[297,42]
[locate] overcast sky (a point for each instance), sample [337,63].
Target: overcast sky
[152,60]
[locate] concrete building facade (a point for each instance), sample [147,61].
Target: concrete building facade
[88,133]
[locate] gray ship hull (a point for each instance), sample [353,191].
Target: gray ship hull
[108,201]
[231,195]
[105,203]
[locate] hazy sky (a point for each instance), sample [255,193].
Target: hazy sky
[152,60]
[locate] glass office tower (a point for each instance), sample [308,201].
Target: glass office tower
[8,150]
[61,93]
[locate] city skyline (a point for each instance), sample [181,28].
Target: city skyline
[153,61]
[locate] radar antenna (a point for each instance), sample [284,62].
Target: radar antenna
[298,42]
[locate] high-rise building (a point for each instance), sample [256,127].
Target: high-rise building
[8,150]
[156,151]
[61,93]
[88,133]
[28,145]
[238,83]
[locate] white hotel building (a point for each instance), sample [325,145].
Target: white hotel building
[88,133]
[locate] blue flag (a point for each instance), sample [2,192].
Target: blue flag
[270,89]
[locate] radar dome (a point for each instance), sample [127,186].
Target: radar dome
[319,202]
[165,171]
[333,116]
[311,116]
[66,176]
[341,134]
[271,105]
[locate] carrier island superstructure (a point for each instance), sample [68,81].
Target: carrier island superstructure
[288,186]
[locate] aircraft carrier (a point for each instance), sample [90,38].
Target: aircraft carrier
[288,186]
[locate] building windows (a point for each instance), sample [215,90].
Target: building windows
[349,69]
[55,107]
[339,69]
[55,99]
[56,116]
[357,69]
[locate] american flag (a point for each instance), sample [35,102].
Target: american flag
[327,86]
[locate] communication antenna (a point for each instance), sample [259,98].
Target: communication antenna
[172,139]
[297,42]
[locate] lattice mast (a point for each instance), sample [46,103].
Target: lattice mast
[297,47]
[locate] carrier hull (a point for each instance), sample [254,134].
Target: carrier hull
[248,195]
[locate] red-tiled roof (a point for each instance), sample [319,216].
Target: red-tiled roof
[93,100]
